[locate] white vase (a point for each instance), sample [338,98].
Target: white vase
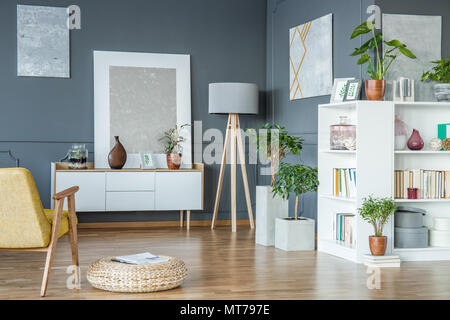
[295,235]
[268,208]
[400,142]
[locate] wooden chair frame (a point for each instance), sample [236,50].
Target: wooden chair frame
[50,249]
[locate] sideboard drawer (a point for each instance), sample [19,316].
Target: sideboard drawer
[130,181]
[178,191]
[91,196]
[130,201]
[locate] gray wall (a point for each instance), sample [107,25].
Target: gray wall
[300,116]
[41,117]
[429,7]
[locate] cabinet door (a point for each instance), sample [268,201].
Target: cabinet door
[130,201]
[178,191]
[91,196]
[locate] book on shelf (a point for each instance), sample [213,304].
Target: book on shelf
[344,182]
[431,184]
[343,227]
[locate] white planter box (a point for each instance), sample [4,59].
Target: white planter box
[268,209]
[295,235]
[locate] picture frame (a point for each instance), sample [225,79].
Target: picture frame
[147,161]
[339,89]
[353,90]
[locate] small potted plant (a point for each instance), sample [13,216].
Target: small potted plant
[173,148]
[293,234]
[441,74]
[269,206]
[377,68]
[377,212]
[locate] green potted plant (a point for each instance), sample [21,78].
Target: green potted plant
[292,234]
[268,205]
[377,212]
[173,148]
[441,74]
[286,145]
[377,68]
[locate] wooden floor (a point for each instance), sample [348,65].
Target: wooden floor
[221,265]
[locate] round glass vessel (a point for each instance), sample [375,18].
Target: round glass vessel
[343,135]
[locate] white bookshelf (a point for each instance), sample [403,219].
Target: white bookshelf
[375,161]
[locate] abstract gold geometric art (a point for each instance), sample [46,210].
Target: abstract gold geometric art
[311,58]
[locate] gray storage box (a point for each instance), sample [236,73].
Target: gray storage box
[408,219]
[411,237]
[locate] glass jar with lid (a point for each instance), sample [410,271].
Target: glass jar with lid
[78,156]
[343,135]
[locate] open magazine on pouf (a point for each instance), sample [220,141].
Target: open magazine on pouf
[141,259]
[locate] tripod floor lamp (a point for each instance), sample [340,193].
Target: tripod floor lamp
[233,99]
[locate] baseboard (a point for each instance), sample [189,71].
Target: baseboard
[157,224]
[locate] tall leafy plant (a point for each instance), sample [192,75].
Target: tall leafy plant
[378,67]
[377,211]
[173,140]
[277,135]
[439,73]
[297,179]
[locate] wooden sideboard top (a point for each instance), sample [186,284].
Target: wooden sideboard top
[64,167]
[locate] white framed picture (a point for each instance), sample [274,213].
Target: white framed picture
[138,96]
[147,160]
[339,89]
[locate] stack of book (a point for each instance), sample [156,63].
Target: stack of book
[431,184]
[344,182]
[381,261]
[343,226]
[141,259]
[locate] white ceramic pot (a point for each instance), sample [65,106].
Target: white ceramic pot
[295,235]
[268,208]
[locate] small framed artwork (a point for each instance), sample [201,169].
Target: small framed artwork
[353,90]
[147,160]
[339,89]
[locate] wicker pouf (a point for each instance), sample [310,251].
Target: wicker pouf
[121,277]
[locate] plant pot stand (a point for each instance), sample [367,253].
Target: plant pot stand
[295,235]
[268,208]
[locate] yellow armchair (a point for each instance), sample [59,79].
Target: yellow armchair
[26,226]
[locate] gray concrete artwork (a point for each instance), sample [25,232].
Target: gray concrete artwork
[143,105]
[421,34]
[43,46]
[311,58]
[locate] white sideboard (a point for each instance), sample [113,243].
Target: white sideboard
[106,190]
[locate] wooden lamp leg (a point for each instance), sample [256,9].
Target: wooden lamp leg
[181,218]
[52,246]
[222,171]
[244,173]
[233,172]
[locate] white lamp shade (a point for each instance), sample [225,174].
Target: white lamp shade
[229,97]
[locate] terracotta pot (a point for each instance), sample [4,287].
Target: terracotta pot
[173,161]
[375,89]
[378,245]
[117,156]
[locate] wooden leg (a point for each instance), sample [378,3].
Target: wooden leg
[74,238]
[188,220]
[52,246]
[244,174]
[181,218]
[233,173]
[222,171]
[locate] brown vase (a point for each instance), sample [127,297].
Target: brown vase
[375,89]
[378,245]
[173,161]
[117,156]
